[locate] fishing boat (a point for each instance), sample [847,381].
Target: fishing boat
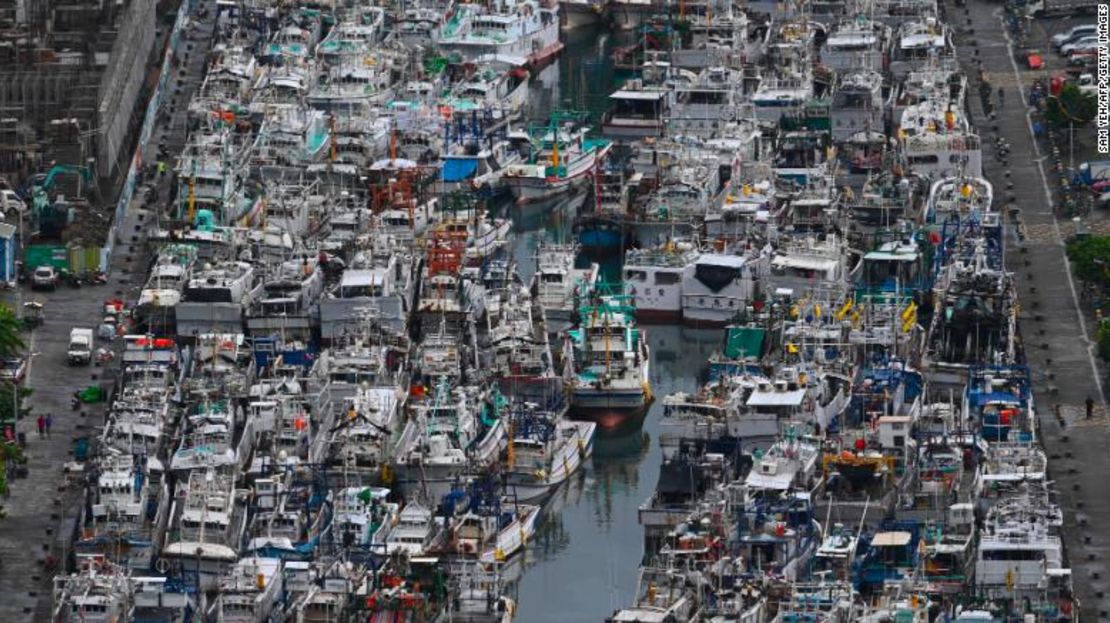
[654,279]
[414,533]
[155,311]
[560,288]
[608,362]
[450,433]
[250,591]
[521,28]
[999,400]
[563,159]
[98,592]
[716,287]
[545,449]
[207,524]
[662,595]
[492,529]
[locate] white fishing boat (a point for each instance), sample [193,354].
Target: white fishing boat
[363,518]
[414,532]
[559,287]
[216,297]
[98,592]
[509,28]
[637,110]
[715,287]
[563,159]
[495,537]
[250,592]
[653,278]
[544,450]
[206,527]
[448,435]
[608,362]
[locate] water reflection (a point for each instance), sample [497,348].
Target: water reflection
[584,559]
[582,564]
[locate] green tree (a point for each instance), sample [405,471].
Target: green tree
[1072,106]
[11,342]
[1104,340]
[1090,259]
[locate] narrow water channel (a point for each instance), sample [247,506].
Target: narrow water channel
[583,562]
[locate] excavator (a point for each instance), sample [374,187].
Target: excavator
[48,218]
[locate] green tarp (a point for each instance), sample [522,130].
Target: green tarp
[744,342]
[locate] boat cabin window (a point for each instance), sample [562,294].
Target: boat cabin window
[356,291]
[1013,555]
[636,108]
[923,159]
[705,98]
[667,279]
[883,272]
[635,275]
[551,278]
[853,100]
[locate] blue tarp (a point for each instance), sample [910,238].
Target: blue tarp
[459,169]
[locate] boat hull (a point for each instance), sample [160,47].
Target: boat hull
[513,537]
[580,14]
[529,487]
[627,15]
[600,240]
[658,316]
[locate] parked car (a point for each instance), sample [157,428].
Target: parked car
[44,278]
[1073,33]
[1082,43]
[13,369]
[1084,58]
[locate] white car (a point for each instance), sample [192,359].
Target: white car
[1073,33]
[1082,43]
[44,278]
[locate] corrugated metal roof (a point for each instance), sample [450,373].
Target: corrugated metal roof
[777,399]
[804,262]
[638,95]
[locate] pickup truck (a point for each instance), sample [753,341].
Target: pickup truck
[80,348]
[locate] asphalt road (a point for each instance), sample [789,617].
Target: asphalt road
[42,512]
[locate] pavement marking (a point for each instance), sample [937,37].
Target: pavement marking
[30,359]
[1055,222]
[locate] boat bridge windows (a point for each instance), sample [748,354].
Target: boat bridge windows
[888,270]
[637,104]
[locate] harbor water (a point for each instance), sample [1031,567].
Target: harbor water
[583,562]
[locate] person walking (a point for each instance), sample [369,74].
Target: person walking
[1090,407]
[42,426]
[49,423]
[1001,98]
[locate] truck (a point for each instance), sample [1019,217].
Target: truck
[1041,8]
[80,346]
[1093,174]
